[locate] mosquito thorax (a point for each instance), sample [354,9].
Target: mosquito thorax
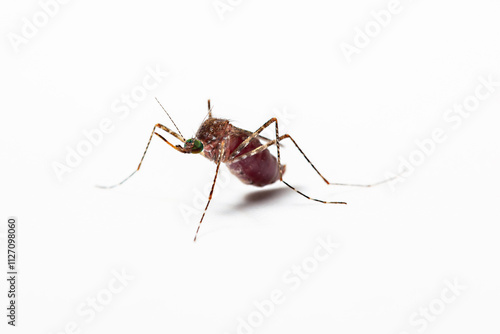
[193,146]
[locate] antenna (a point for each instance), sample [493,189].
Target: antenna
[170,119]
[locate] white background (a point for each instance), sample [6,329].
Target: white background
[355,120]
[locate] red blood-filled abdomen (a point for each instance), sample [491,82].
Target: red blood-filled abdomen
[259,170]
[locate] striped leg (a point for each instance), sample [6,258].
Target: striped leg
[147,146]
[266,145]
[250,133]
[272,142]
[219,160]
[256,134]
[233,158]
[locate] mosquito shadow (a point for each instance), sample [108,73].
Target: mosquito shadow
[258,197]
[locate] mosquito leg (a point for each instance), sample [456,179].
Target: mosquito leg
[324,179]
[221,152]
[250,132]
[253,152]
[266,145]
[209,109]
[312,199]
[257,134]
[273,142]
[277,142]
[365,185]
[147,146]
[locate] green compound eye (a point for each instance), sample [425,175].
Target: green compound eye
[197,145]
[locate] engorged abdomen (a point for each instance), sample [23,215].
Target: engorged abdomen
[259,169]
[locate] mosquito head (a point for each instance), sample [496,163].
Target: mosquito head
[193,146]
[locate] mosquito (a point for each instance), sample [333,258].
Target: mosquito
[242,151]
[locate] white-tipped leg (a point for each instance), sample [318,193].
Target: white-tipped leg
[176,135]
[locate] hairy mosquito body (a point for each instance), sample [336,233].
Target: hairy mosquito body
[242,151]
[251,166]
